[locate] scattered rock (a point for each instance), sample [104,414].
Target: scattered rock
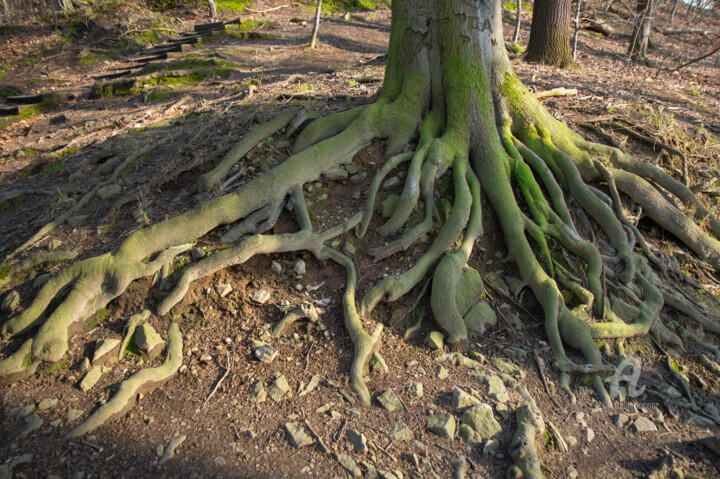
[378,365]
[6,470]
[258,393]
[348,248]
[279,389]
[496,388]
[148,340]
[76,221]
[336,175]
[32,423]
[358,178]
[349,464]
[73,415]
[297,435]
[196,253]
[434,341]
[671,392]
[266,353]
[401,432]
[10,302]
[480,318]
[219,461]
[357,439]
[276,267]
[443,425]
[260,296]
[712,443]
[103,347]
[643,424]
[482,422]
[462,400]
[46,404]
[390,401]
[84,365]
[441,372]
[90,379]
[416,389]
[299,268]
[314,382]
[621,420]
[109,191]
[589,434]
[508,367]
[491,447]
[696,419]
[572,472]
[571,440]
[22,412]
[391,183]
[223,289]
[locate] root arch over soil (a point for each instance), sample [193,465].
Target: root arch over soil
[449,85]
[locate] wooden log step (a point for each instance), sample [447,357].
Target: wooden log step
[209,26]
[56,96]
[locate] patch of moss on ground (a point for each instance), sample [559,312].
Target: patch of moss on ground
[56,368]
[237,6]
[88,57]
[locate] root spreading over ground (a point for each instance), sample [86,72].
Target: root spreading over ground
[451,105]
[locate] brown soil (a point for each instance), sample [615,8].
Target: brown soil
[230,435]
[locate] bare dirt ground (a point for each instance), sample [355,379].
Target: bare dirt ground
[50,160]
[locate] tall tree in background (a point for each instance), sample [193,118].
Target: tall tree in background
[644,17]
[550,34]
[451,105]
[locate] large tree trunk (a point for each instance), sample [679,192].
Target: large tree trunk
[640,40]
[550,34]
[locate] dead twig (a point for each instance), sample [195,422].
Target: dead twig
[217,386]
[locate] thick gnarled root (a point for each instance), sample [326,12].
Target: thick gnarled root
[304,311]
[523,448]
[10,269]
[141,382]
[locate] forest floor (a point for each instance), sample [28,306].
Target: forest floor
[52,155]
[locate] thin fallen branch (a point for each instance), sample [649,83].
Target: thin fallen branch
[217,386]
[696,59]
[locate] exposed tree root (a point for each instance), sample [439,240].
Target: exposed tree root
[9,269]
[305,310]
[133,322]
[141,382]
[487,131]
[523,448]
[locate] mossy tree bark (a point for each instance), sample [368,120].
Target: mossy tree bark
[450,93]
[550,34]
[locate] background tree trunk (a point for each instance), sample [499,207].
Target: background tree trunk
[644,15]
[316,26]
[213,9]
[550,34]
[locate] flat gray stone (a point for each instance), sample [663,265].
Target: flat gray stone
[279,389]
[223,289]
[266,353]
[643,424]
[73,415]
[416,389]
[147,339]
[480,318]
[297,435]
[481,420]
[104,346]
[357,440]
[434,341]
[349,464]
[462,400]
[358,177]
[260,296]
[508,368]
[314,382]
[276,267]
[378,365]
[390,401]
[197,252]
[32,423]
[443,425]
[441,372]
[348,248]
[258,393]
[392,182]
[299,268]
[10,302]
[91,378]
[401,432]
[589,434]
[109,191]
[336,175]
[621,420]
[46,404]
